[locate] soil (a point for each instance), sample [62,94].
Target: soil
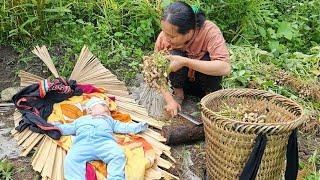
[9,65]
[190,158]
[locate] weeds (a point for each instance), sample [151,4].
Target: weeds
[6,170]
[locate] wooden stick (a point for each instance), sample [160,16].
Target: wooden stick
[24,137]
[48,167]
[29,140]
[164,163]
[43,155]
[32,145]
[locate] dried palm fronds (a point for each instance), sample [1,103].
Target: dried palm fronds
[48,158]
[27,79]
[89,70]
[43,54]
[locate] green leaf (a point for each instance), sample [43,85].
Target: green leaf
[274,45]
[118,34]
[272,33]
[285,30]
[242,72]
[262,31]
[58,10]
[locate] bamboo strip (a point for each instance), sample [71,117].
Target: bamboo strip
[24,137]
[47,169]
[168,154]
[32,145]
[150,121]
[166,175]
[164,163]
[21,134]
[28,75]
[123,99]
[57,164]
[134,109]
[43,54]
[43,155]
[155,133]
[161,139]
[14,132]
[31,137]
[151,173]
[17,117]
[157,143]
[38,148]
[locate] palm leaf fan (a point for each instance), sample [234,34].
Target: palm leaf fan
[89,69]
[43,54]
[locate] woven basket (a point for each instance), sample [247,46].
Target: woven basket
[229,141]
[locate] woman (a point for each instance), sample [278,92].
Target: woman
[199,55]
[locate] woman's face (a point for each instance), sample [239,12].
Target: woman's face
[176,39]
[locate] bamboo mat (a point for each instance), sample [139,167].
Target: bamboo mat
[48,157]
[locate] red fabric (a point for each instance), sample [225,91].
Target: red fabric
[90,172]
[113,98]
[88,88]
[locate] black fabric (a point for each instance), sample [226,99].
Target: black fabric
[252,166]
[35,110]
[292,157]
[203,83]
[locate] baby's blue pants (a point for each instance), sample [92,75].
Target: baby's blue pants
[106,150]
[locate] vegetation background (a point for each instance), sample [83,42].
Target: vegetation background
[274,45]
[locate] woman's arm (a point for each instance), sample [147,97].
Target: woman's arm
[213,68]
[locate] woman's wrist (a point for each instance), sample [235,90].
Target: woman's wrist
[167,96]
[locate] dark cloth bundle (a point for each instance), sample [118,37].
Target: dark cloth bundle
[36,101]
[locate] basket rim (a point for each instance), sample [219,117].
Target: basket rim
[264,127]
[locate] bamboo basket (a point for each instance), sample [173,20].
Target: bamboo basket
[229,142]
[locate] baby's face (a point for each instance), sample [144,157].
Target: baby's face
[100,109]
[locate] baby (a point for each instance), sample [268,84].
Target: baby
[94,141]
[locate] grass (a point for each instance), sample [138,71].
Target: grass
[6,170]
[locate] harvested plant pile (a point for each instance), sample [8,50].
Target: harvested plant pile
[155,70]
[243,114]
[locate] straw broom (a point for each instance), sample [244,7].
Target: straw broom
[48,158]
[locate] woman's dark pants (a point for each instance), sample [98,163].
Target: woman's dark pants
[202,84]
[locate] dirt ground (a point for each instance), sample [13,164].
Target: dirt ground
[190,158]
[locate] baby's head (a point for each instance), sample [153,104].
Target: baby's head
[97,106]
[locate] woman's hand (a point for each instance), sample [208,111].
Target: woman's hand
[173,108]
[176,62]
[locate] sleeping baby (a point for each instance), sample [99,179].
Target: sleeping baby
[94,141]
